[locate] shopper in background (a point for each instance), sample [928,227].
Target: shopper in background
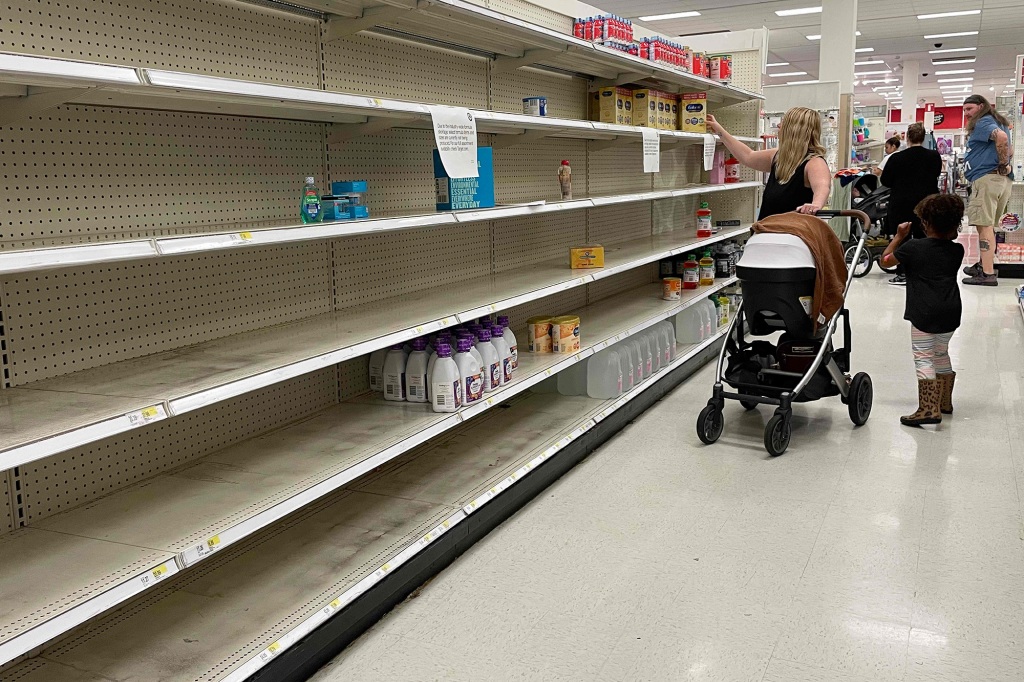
[892,145]
[987,167]
[933,305]
[910,175]
[799,178]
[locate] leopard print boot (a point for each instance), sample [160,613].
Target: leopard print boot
[946,382]
[929,398]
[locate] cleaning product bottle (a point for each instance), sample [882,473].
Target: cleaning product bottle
[394,374]
[504,354]
[707,269]
[510,339]
[704,224]
[565,180]
[732,170]
[377,369]
[310,209]
[691,272]
[445,382]
[491,363]
[470,370]
[604,375]
[416,378]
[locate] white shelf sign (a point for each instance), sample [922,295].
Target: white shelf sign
[455,136]
[709,151]
[652,150]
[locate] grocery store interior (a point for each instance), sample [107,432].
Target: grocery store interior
[412,340]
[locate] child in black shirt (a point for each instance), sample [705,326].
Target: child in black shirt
[933,300]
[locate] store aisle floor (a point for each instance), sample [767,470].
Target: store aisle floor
[879,554]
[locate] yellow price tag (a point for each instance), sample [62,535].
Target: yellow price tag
[445,524]
[150,412]
[245,235]
[335,603]
[386,567]
[159,571]
[213,542]
[274,647]
[419,330]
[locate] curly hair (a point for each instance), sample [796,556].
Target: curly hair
[942,213]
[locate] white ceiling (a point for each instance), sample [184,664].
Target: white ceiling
[891,27]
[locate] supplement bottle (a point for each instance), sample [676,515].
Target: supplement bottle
[565,180]
[691,272]
[394,374]
[471,371]
[732,170]
[491,363]
[416,378]
[377,369]
[445,382]
[510,339]
[707,269]
[504,354]
[310,208]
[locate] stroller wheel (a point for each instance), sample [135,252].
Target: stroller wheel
[777,433]
[710,424]
[863,265]
[861,396]
[747,405]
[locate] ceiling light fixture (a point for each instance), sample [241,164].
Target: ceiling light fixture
[872,73]
[800,82]
[956,80]
[797,12]
[953,72]
[864,49]
[951,35]
[879,80]
[789,73]
[818,36]
[869,62]
[778,64]
[952,49]
[673,15]
[943,15]
[954,60]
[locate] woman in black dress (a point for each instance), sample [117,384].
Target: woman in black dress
[798,176]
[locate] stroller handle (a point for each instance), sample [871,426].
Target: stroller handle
[859,215]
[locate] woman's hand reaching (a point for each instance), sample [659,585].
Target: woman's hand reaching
[714,125]
[809,209]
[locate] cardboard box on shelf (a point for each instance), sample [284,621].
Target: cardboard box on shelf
[582,257]
[645,108]
[614,105]
[693,111]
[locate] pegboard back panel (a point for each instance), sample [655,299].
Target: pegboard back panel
[742,119]
[63,321]
[519,242]
[529,172]
[616,284]
[740,205]
[213,37]
[376,66]
[567,96]
[78,174]
[618,170]
[561,303]
[680,214]
[7,502]
[534,13]
[78,476]
[373,267]
[397,166]
[353,377]
[617,223]
[681,165]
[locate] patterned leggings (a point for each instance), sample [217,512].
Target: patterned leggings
[931,353]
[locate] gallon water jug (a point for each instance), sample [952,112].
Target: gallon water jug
[657,346]
[573,380]
[689,325]
[639,359]
[604,375]
[626,365]
[668,335]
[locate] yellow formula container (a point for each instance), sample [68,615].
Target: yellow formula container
[565,334]
[538,331]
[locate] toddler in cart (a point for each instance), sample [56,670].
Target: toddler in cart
[933,300]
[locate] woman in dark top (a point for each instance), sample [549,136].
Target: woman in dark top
[933,300]
[912,175]
[798,177]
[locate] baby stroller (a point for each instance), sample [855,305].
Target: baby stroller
[873,201]
[777,275]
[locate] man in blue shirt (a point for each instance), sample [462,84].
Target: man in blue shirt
[987,166]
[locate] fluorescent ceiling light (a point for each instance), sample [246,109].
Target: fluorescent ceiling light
[799,82]
[818,37]
[778,64]
[956,80]
[953,72]
[886,87]
[955,60]
[954,87]
[951,35]
[869,62]
[789,73]
[856,102]
[872,73]
[673,15]
[943,15]
[952,49]
[879,80]
[864,49]
[797,12]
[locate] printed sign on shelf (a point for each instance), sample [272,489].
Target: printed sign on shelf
[652,150]
[709,151]
[455,136]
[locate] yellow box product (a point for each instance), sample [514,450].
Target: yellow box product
[539,334]
[645,108]
[659,99]
[614,105]
[581,257]
[565,334]
[693,111]
[673,119]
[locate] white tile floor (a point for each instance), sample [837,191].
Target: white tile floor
[880,554]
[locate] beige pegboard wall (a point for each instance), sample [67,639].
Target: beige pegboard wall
[529,172]
[738,205]
[63,321]
[213,37]
[521,242]
[535,13]
[618,223]
[681,165]
[353,377]
[373,65]
[678,214]
[375,267]
[568,301]
[83,474]
[566,96]
[77,174]
[7,502]
[618,170]
[627,281]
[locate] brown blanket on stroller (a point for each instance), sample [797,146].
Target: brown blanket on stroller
[828,257]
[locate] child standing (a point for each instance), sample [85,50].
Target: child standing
[933,300]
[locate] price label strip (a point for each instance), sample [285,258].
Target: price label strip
[147,415]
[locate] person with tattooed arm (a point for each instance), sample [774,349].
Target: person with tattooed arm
[987,166]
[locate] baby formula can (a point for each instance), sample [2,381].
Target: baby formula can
[539,334]
[565,334]
[672,288]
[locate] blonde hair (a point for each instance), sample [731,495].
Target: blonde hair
[799,140]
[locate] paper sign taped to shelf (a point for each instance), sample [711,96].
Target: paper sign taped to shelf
[455,136]
[652,150]
[147,415]
[709,151]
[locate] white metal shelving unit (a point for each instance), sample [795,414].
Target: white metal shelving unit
[184,389]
